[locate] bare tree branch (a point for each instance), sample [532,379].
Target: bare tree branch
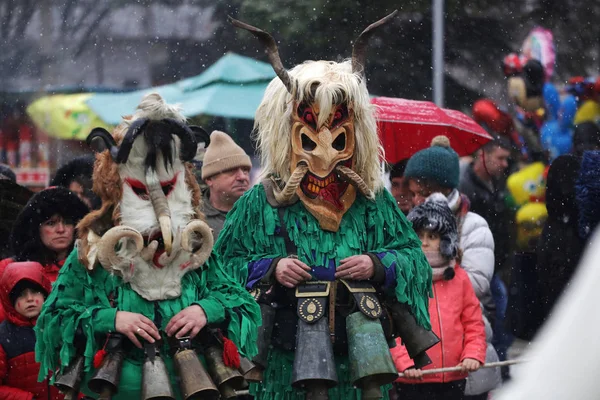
[28,8]
[7,20]
[91,28]
[66,15]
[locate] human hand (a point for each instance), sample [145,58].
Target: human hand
[358,268]
[131,324]
[413,373]
[291,271]
[189,320]
[469,365]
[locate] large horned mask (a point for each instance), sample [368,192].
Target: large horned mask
[155,238]
[323,136]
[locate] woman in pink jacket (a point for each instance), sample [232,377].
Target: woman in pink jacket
[454,310]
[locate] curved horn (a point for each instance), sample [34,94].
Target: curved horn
[285,195]
[134,130]
[100,139]
[201,135]
[106,246]
[359,50]
[352,177]
[272,52]
[202,229]
[189,144]
[161,208]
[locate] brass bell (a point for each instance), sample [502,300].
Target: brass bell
[314,364]
[70,381]
[195,383]
[226,378]
[156,384]
[106,379]
[250,371]
[371,363]
[227,392]
[415,338]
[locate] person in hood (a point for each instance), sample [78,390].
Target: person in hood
[23,289]
[44,231]
[76,175]
[454,310]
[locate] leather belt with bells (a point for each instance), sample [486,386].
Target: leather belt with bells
[365,296]
[312,300]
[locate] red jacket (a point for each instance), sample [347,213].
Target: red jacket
[457,320]
[50,272]
[18,369]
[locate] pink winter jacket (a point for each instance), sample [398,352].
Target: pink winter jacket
[456,319]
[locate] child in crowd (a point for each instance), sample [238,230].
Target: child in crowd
[23,289]
[454,310]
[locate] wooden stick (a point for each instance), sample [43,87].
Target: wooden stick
[242,392]
[455,369]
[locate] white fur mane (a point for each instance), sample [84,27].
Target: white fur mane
[337,84]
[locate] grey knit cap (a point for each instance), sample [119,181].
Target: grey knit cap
[435,215]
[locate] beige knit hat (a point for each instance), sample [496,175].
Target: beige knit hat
[222,154]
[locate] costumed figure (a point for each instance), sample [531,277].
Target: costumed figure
[132,303]
[527,189]
[330,258]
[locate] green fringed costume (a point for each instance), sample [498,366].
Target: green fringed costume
[251,234]
[82,299]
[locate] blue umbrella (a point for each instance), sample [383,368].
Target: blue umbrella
[232,88]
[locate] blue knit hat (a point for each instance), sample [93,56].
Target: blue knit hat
[438,163]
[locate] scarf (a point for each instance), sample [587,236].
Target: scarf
[440,265]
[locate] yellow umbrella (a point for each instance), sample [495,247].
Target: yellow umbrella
[65,116]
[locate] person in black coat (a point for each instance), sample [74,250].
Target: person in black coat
[560,246]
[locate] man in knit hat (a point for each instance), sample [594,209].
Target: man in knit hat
[226,171]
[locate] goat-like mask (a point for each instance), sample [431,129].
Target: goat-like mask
[157,239]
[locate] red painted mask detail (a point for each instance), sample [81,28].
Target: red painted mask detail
[140,189]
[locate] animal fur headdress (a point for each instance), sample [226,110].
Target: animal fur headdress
[150,201]
[316,131]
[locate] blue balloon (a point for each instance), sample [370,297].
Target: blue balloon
[551,100]
[555,140]
[567,112]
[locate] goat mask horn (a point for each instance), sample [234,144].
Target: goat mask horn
[359,50]
[100,139]
[201,135]
[134,130]
[189,144]
[272,52]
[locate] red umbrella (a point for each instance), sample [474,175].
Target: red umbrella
[407,126]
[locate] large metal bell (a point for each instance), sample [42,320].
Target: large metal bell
[415,338]
[106,379]
[314,363]
[156,384]
[70,381]
[195,383]
[228,379]
[371,363]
